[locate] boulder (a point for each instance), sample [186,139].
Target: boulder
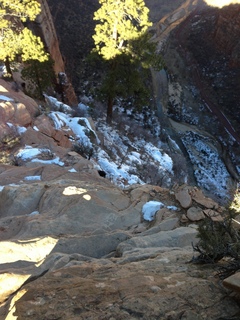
[213,215]
[195,214]
[21,101]
[180,237]
[233,282]
[184,198]
[198,196]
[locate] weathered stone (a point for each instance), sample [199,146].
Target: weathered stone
[184,198]
[195,214]
[16,113]
[166,225]
[19,97]
[233,282]
[180,237]
[198,196]
[44,125]
[16,200]
[214,215]
[184,218]
[152,289]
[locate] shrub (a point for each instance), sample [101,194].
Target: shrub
[8,141]
[218,240]
[85,150]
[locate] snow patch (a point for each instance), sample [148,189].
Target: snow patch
[150,208]
[4,98]
[31,178]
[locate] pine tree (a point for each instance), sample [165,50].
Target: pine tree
[40,76]
[15,37]
[121,38]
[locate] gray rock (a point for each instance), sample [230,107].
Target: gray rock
[96,246]
[184,198]
[233,282]
[20,200]
[180,237]
[166,225]
[195,214]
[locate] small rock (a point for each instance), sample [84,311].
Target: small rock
[195,214]
[198,196]
[169,224]
[233,282]
[214,215]
[184,218]
[184,198]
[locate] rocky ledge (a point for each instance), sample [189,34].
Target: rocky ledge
[74,246]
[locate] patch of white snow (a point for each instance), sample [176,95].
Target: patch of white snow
[150,208]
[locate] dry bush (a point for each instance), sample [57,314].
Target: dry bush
[83,149]
[8,141]
[219,241]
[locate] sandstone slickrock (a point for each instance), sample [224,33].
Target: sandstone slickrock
[74,246]
[78,248]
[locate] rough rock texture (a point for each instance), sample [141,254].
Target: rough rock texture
[208,41]
[233,282]
[184,198]
[20,110]
[74,246]
[23,107]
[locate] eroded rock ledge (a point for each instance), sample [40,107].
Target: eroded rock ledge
[74,246]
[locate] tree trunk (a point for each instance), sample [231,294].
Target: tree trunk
[8,68]
[111,89]
[40,91]
[109,110]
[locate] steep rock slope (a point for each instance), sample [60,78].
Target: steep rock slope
[75,246]
[213,40]
[75,27]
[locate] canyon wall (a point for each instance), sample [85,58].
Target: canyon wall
[227,33]
[44,27]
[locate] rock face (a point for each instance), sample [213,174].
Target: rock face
[74,246]
[215,60]
[44,27]
[74,24]
[227,27]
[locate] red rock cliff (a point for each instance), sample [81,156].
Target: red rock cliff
[45,28]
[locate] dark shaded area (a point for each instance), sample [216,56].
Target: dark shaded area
[102,173]
[210,42]
[75,26]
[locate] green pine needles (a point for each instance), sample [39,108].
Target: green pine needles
[122,39]
[119,22]
[15,37]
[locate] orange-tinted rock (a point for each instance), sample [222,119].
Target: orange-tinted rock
[195,214]
[198,196]
[213,215]
[184,198]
